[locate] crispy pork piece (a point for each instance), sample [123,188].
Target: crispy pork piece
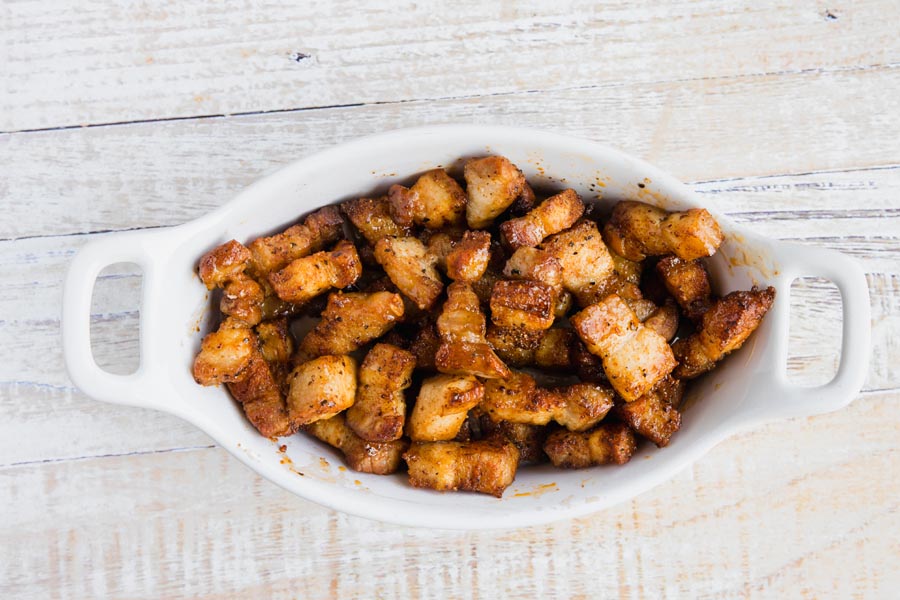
[492,184]
[223,263]
[351,321]
[539,265]
[379,413]
[518,399]
[587,267]
[664,320]
[723,329]
[464,349]
[688,282]
[379,458]
[224,354]
[435,201]
[608,443]
[242,299]
[275,252]
[522,304]
[528,439]
[441,407]
[486,466]
[637,230]
[554,351]
[515,346]
[372,218]
[425,345]
[524,203]
[261,397]
[275,340]
[321,388]
[411,267]
[553,215]
[634,357]
[468,259]
[655,415]
[587,366]
[627,270]
[307,277]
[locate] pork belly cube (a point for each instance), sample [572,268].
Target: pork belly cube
[442,405]
[223,263]
[515,346]
[412,268]
[372,218]
[608,443]
[242,299]
[350,321]
[379,413]
[307,277]
[224,354]
[655,415]
[275,340]
[634,357]
[536,265]
[637,230]
[317,230]
[468,259]
[723,329]
[259,394]
[523,304]
[492,184]
[664,320]
[627,270]
[436,200]
[581,405]
[692,234]
[587,267]
[321,388]
[528,439]
[378,458]
[554,351]
[553,215]
[464,349]
[688,282]
[486,466]
[425,345]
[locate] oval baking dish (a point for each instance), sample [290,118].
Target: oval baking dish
[748,389]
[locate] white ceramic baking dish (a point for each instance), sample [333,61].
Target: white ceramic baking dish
[750,388]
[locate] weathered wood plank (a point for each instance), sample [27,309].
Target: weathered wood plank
[74,65]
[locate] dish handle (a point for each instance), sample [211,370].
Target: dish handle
[805,261]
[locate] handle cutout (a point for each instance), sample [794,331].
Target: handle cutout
[815,334]
[115,318]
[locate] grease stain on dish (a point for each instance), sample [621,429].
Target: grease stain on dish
[539,490]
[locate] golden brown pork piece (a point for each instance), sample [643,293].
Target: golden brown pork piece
[723,329]
[528,439]
[379,458]
[464,349]
[518,399]
[524,203]
[492,184]
[468,259]
[351,321]
[634,357]
[522,304]
[608,443]
[318,229]
[379,413]
[411,267]
[587,267]
[425,345]
[637,230]
[515,346]
[441,407]
[223,263]
[655,415]
[664,320]
[435,201]
[224,354]
[242,299]
[275,340]
[307,277]
[321,388]
[553,215]
[627,270]
[555,349]
[588,367]
[261,397]
[372,218]
[539,265]
[486,466]
[688,282]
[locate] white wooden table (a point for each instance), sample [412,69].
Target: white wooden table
[137,115]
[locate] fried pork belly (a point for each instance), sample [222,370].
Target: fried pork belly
[528,439]
[723,329]
[554,351]
[486,466]
[464,349]
[587,267]
[553,215]
[515,346]
[351,321]
[275,340]
[539,265]
[224,353]
[468,259]
[522,304]
[307,277]
[634,357]
[321,388]
[425,345]
[372,218]
[242,298]
[637,230]
[664,320]
[223,263]
[608,443]
[627,270]
[261,398]
[441,407]
[688,282]
[318,229]
[492,184]
[379,458]
[379,412]
[655,415]
[435,201]
[411,267]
